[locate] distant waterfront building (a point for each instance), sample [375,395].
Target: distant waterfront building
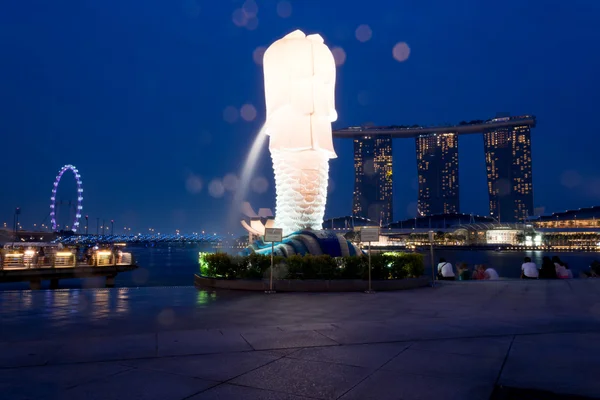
[437,166]
[373,178]
[508,164]
[507,145]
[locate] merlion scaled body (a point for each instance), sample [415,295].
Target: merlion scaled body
[299,74]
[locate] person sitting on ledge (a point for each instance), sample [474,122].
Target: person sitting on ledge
[548,270]
[464,274]
[445,271]
[557,263]
[563,271]
[594,271]
[489,273]
[529,269]
[478,272]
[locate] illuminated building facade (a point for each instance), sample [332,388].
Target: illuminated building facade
[373,178]
[508,164]
[437,166]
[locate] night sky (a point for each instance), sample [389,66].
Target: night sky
[144,98]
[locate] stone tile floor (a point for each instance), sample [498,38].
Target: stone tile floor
[459,340]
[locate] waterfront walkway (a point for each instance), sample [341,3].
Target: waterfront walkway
[456,341]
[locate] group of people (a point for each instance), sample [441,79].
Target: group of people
[480,272]
[552,268]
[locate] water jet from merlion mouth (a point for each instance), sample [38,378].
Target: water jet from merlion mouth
[247,172]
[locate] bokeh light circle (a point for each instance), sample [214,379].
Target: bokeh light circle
[258,54]
[248,112]
[401,52]
[231,182]
[363,33]
[259,185]
[339,55]
[284,9]
[216,188]
[230,114]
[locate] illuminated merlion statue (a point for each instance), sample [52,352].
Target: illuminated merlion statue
[299,92]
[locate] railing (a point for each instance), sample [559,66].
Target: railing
[125,259]
[13,261]
[62,259]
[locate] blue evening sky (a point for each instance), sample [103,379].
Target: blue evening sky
[134,93]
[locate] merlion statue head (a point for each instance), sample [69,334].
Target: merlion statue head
[299,72]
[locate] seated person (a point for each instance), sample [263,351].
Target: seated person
[548,270]
[563,272]
[529,269]
[490,274]
[463,272]
[479,272]
[445,271]
[594,271]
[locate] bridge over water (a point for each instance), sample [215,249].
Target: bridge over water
[199,238]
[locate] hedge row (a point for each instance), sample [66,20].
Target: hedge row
[255,266]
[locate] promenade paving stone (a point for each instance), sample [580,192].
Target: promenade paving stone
[563,363]
[214,367]
[279,339]
[52,381]
[390,385]
[457,366]
[139,384]
[363,355]
[171,343]
[457,340]
[227,391]
[496,347]
[106,349]
[26,353]
[305,378]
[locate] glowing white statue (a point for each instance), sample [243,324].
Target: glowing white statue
[299,92]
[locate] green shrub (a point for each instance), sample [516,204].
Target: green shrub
[295,265]
[204,267]
[325,267]
[396,264]
[352,267]
[256,266]
[405,265]
[221,265]
[414,265]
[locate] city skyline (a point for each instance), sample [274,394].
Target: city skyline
[158,106]
[507,148]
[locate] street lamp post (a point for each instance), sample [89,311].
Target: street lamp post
[16,222]
[431,238]
[112,227]
[87,223]
[97,225]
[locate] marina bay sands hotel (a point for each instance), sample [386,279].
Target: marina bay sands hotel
[507,147]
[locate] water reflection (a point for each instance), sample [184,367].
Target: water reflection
[204,297]
[122,306]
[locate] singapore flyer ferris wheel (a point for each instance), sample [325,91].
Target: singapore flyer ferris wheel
[53,209]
